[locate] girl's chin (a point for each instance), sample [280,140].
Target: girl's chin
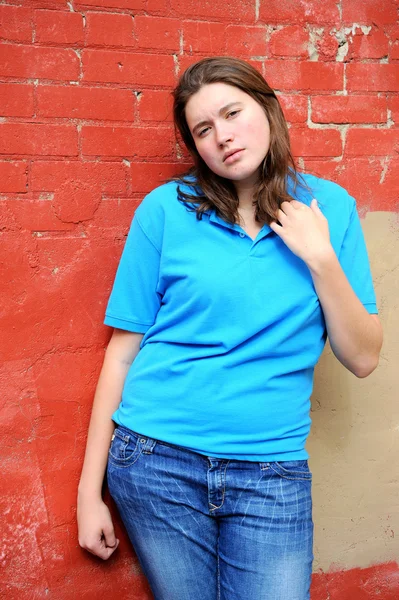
[244,177]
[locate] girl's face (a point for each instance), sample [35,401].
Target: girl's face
[224,119]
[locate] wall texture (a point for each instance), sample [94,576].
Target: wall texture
[85,131]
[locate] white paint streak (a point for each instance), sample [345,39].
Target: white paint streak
[385,164]
[257,2]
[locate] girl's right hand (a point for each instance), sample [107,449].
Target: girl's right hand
[96,531]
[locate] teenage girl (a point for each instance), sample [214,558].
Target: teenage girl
[231,278]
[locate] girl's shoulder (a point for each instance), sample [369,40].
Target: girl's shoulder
[161,194]
[161,206]
[323,187]
[332,197]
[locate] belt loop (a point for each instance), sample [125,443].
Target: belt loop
[149,444]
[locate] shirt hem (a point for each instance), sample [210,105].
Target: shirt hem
[132,326]
[371,307]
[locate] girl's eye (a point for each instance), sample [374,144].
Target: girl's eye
[230,114]
[203,131]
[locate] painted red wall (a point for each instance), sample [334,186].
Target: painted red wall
[85,131]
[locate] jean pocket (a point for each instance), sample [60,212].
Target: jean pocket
[292,469]
[126,447]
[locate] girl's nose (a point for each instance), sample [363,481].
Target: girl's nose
[223,135]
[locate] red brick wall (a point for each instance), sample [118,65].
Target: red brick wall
[85,131]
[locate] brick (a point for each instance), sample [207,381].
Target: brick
[394,53]
[298,11]
[49,4]
[15,24]
[13,177]
[237,10]
[60,482]
[77,367]
[85,103]
[8,222]
[393,105]
[16,100]
[186,60]
[325,168]
[125,4]
[326,46]
[393,34]
[19,276]
[121,67]
[58,27]
[77,267]
[358,176]
[103,29]
[22,515]
[149,142]
[314,142]
[156,7]
[115,214]
[349,109]
[373,45]
[290,41]
[387,196]
[43,63]
[49,176]
[246,41]
[374,142]
[153,32]
[300,75]
[205,37]
[37,215]
[367,12]
[372,77]
[38,139]
[146,176]
[373,182]
[295,107]
[76,200]
[19,394]
[156,106]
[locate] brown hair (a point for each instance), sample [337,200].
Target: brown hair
[209,189]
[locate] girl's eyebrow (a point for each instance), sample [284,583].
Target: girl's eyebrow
[222,110]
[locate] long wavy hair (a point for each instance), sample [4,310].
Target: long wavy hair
[209,190]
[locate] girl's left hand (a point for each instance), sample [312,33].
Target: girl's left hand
[304,230]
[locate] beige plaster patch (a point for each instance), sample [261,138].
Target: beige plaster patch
[354,441]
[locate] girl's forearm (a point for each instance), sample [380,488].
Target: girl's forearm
[120,354]
[355,336]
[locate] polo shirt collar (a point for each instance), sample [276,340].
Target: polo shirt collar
[214,218]
[266,230]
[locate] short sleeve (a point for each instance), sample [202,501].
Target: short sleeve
[134,301]
[354,261]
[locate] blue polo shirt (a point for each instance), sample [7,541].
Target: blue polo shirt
[232,326]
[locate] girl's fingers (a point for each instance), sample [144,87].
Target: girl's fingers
[281,215]
[275,227]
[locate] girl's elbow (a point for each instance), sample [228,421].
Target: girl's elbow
[365,369]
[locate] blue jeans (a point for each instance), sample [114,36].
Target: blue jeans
[207,528]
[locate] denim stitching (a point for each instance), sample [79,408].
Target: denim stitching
[290,471]
[124,465]
[224,489]
[293,476]
[125,462]
[218,571]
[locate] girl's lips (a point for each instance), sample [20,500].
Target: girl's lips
[233,157]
